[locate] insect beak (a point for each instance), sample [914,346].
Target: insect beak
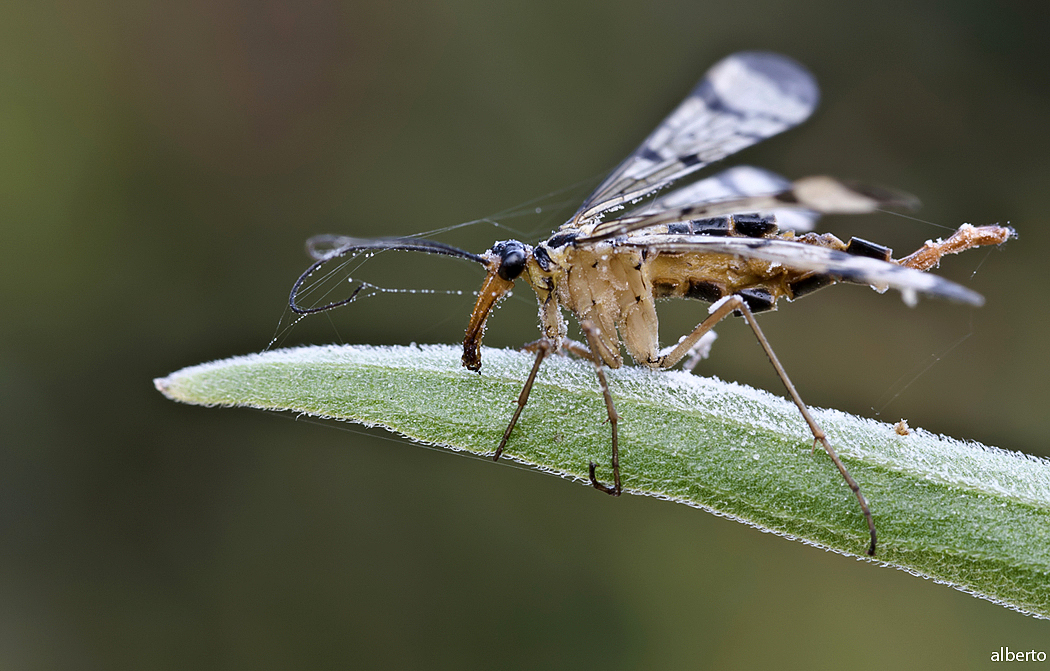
[505,262]
[494,288]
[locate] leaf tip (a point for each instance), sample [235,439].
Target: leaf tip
[165,385]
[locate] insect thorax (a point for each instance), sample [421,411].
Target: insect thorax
[599,282]
[614,283]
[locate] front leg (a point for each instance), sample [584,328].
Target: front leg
[542,347]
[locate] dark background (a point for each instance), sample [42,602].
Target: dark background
[160,166]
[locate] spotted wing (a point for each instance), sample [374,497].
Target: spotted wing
[839,265]
[743,99]
[742,181]
[824,195]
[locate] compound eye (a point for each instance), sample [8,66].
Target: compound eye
[513,257]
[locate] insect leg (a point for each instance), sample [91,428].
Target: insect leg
[577,348]
[723,310]
[592,333]
[818,433]
[542,347]
[695,341]
[567,345]
[700,351]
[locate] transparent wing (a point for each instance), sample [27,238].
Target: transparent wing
[740,181]
[880,275]
[743,99]
[824,195]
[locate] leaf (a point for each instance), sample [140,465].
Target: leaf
[961,513]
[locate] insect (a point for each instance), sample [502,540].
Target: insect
[735,240]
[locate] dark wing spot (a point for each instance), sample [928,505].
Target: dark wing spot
[754,225]
[859,247]
[649,155]
[679,229]
[561,239]
[716,226]
[706,92]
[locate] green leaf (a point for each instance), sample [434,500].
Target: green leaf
[974,517]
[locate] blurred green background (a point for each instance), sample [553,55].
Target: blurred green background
[160,166]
